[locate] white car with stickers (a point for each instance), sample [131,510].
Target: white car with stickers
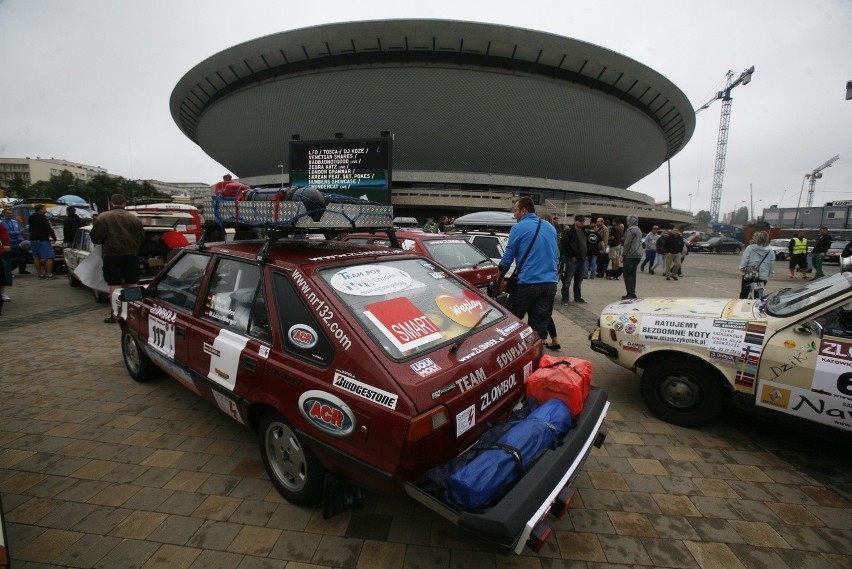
[790,353]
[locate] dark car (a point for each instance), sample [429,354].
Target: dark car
[354,364]
[718,245]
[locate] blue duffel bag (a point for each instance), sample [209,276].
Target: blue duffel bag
[486,478]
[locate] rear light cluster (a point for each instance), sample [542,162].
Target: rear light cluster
[429,436]
[542,532]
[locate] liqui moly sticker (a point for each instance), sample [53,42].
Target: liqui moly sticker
[466,310]
[425,367]
[402,323]
[370,280]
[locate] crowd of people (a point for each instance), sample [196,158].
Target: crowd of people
[117,231]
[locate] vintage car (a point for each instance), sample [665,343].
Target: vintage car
[356,365]
[790,353]
[152,254]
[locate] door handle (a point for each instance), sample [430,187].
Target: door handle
[180,332]
[250,364]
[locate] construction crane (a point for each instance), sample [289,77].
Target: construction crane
[816,175]
[722,145]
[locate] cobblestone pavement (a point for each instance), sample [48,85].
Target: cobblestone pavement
[99,471]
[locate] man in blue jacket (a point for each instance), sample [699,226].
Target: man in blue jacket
[532,245]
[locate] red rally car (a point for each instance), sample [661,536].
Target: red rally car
[354,363]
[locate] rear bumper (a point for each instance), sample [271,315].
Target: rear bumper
[601,347]
[507,525]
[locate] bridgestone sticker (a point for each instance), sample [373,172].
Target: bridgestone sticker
[347,382]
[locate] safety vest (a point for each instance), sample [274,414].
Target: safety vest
[800,246]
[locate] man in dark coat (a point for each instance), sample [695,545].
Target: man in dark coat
[574,250]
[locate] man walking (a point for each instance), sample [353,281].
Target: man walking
[650,246]
[532,244]
[673,247]
[121,235]
[822,246]
[42,239]
[616,247]
[574,248]
[632,255]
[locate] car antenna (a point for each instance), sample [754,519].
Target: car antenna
[457,344]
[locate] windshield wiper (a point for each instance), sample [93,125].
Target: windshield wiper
[457,344]
[482,261]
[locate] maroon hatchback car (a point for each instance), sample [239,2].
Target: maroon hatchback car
[365,364]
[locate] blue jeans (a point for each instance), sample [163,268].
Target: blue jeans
[631,264]
[574,271]
[535,300]
[650,258]
[591,267]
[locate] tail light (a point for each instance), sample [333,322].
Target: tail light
[539,536]
[562,502]
[429,436]
[191,227]
[538,352]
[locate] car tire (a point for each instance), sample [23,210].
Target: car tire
[138,365]
[682,391]
[712,249]
[73,282]
[292,467]
[738,249]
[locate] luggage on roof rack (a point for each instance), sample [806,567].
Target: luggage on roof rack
[270,214]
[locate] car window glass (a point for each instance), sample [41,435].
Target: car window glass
[456,253]
[409,306]
[488,245]
[182,283]
[791,301]
[302,335]
[231,294]
[81,240]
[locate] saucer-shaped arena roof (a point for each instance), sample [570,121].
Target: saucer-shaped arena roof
[481,100]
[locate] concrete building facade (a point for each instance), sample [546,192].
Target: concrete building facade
[478,112]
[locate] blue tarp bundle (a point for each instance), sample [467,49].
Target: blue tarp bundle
[494,470]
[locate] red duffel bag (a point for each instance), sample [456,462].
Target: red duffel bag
[559,377]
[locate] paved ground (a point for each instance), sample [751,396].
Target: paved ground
[98,471]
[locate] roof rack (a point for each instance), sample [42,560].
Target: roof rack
[278,219]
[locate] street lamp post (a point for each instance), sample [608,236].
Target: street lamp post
[690,203]
[752,216]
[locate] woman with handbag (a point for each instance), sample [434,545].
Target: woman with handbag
[756,264]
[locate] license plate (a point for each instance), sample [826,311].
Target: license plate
[596,335]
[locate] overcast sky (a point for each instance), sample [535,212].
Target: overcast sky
[90,80]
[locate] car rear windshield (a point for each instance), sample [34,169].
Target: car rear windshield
[409,306]
[791,301]
[456,253]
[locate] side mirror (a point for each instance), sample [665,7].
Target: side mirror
[131,294]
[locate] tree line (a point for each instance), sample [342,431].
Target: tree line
[96,190]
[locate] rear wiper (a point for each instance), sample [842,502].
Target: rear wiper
[457,344]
